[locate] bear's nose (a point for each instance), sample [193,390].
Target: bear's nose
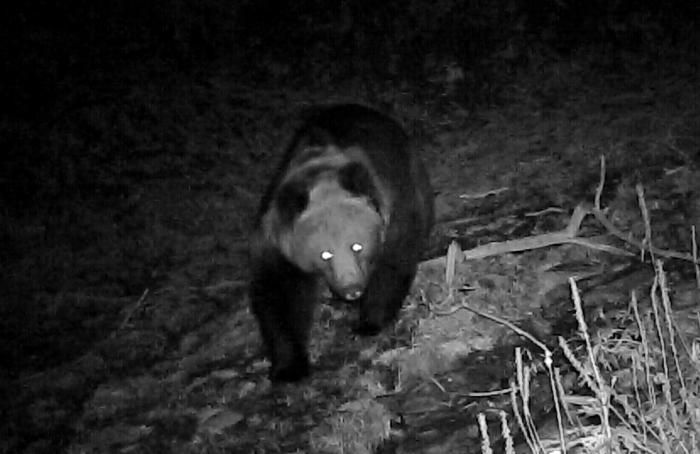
[353,293]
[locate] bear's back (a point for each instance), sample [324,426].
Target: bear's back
[359,134]
[353,125]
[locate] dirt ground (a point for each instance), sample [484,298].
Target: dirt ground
[127,327]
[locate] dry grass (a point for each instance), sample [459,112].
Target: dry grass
[357,427]
[640,380]
[642,386]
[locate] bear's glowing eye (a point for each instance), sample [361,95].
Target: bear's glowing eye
[356,247]
[325,255]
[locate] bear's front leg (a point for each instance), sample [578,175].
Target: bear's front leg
[283,300]
[388,286]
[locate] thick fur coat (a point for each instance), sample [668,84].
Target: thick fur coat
[351,206]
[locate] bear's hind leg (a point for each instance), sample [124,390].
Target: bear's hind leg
[283,300]
[386,291]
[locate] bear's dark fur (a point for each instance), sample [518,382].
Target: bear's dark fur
[351,205]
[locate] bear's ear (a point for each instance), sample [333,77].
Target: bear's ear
[356,178]
[292,199]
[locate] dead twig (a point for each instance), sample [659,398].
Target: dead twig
[547,210]
[483,195]
[130,313]
[493,318]
[695,254]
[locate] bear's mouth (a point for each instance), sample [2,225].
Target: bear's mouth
[334,295]
[352,293]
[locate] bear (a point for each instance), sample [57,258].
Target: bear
[351,207]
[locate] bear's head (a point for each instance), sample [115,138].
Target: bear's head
[337,235]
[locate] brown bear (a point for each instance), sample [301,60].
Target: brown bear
[351,206]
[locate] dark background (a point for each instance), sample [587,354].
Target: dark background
[60,55]
[53,48]
[121,146]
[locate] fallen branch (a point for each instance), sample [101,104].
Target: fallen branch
[570,236]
